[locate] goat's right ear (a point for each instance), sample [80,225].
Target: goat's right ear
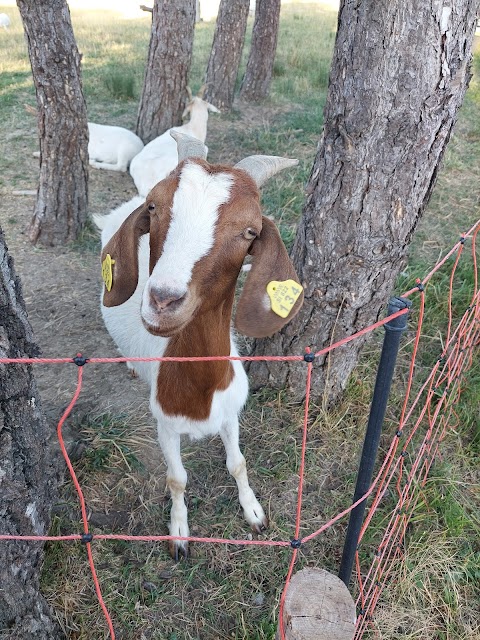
[120,258]
[212,108]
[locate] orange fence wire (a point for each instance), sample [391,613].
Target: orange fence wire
[405,465]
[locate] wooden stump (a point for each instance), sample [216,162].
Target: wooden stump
[318,606]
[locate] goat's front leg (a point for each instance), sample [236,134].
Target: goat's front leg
[237,466]
[176,482]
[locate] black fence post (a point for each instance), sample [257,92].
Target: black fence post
[391,343]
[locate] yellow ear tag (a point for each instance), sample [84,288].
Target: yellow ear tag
[107,273]
[283,296]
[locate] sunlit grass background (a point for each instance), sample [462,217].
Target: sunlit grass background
[224,592]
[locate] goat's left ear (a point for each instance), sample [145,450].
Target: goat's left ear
[272,295]
[212,108]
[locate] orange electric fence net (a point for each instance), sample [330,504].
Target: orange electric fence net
[427,414]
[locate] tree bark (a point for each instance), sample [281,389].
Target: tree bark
[399,75]
[61,207]
[226,53]
[168,65]
[258,75]
[27,485]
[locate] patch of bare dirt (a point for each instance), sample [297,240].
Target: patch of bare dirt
[61,288]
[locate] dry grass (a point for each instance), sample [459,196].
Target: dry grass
[430,595]
[223,591]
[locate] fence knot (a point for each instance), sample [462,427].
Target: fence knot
[86,537]
[308,356]
[295,543]
[80,360]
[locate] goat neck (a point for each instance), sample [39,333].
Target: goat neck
[187,388]
[197,125]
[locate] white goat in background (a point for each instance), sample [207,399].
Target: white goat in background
[111,147]
[159,157]
[170,269]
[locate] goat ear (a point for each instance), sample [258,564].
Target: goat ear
[120,258]
[271,268]
[212,108]
[201,91]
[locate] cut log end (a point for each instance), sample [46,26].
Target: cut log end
[318,606]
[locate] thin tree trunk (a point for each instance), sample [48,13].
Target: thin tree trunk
[226,53]
[258,75]
[399,75]
[27,484]
[168,65]
[61,207]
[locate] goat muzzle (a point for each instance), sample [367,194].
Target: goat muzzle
[165,300]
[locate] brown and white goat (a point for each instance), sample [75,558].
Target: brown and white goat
[176,260]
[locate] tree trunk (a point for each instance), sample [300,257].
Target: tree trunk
[61,207]
[169,58]
[27,484]
[226,53]
[258,75]
[399,75]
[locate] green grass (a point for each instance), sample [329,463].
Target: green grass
[120,85]
[108,443]
[88,240]
[226,592]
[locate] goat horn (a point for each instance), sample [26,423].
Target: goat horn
[261,168]
[189,92]
[188,147]
[201,91]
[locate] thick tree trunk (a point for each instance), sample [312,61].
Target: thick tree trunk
[226,53]
[168,65]
[399,74]
[61,207]
[258,75]
[27,482]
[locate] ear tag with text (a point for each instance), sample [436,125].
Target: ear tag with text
[107,273]
[283,296]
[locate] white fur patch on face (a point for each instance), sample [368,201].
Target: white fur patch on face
[192,227]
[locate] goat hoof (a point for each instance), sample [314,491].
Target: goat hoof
[260,527]
[178,548]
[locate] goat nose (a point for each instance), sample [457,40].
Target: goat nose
[162,299]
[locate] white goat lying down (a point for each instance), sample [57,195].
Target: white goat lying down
[112,147]
[170,292]
[159,157]
[4,21]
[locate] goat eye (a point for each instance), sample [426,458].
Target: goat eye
[250,234]
[151,207]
